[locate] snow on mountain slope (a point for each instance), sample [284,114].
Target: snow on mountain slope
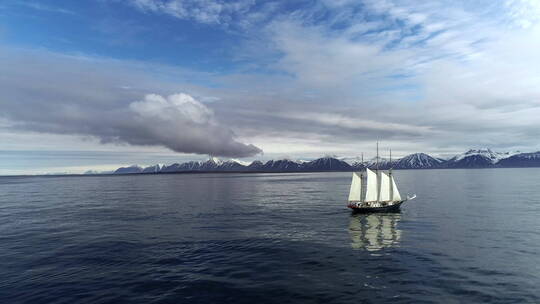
[382,163]
[417,161]
[241,162]
[481,158]
[256,165]
[281,165]
[231,165]
[493,157]
[153,169]
[351,160]
[326,163]
[521,160]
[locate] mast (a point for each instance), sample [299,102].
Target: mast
[377,160]
[391,178]
[378,174]
[363,186]
[363,179]
[391,165]
[390,169]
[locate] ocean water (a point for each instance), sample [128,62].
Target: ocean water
[471,236]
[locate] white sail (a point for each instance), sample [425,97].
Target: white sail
[356,186]
[371,186]
[384,194]
[395,191]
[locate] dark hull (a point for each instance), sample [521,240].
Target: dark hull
[388,209]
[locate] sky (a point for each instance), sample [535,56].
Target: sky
[106,83]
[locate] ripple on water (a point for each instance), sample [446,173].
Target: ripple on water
[268,238]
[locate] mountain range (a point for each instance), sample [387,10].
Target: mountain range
[482,158]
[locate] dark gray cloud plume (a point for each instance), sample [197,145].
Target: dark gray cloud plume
[178,122]
[50,96]
[182,124]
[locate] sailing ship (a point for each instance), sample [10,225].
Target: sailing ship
[375,191]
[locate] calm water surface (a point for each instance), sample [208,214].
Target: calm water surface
[470,236]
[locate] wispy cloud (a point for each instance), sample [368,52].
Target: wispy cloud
[524,13]
[46,8]
[328,76]
[203,11]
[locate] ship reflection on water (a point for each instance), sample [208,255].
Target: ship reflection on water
[374,232]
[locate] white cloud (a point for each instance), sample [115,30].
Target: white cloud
[320,61]
[45,8]
[173,108]
[204,11]
[182,124]
[473,74]
[84,96]
[524,13]
[431,76]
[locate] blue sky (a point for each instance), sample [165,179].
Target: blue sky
[118,30]
[147,81]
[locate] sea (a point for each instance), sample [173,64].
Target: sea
[470,236]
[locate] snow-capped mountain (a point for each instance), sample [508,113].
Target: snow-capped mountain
[326,164]
[417,161]
[355,162]
[188,166]
[153,169]
[281,165]
[351,160]
[231,165]
[521,160]
[358,165]
[212,164]
[494,157]
[382,163]
[255,166]
[482,158]
[129,170]
[241,162]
